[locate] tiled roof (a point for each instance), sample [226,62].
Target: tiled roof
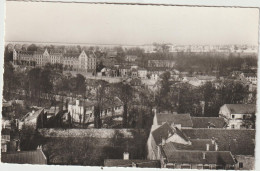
[238,141]
[196,144]
[241,108]
[196,157]
[24,157]
[129,163]
[165,131]
[183,119]
[204,122]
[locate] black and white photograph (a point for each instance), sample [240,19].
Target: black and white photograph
[129,85]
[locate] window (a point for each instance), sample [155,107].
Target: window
[185,166]
[240,165]
[232,126]
[233,116]
[244,116]
[206,167]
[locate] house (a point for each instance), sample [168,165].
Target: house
[175,149]
[250,77]
[192,80]
[134,73]
[5,139]
[240,142]
[25,157]
[142,73]
[81,110]
[237,114]
[35,119]
[124,71]
[126,162]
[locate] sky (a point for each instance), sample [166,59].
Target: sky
[129,24]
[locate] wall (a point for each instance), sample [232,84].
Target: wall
[248,162]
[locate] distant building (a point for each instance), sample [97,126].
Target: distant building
[236,114]
[142,73]
[84,61]
[250,77]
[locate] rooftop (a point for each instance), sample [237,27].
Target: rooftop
[196,157]
[183,119]
[24,157]
[129,163]
[205,122]
[241,108]
[238,141]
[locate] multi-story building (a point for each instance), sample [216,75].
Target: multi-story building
[236,114]
[71,61]
[199,143]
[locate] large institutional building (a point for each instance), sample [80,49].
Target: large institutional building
[71,61]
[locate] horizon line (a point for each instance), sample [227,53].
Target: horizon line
[121,44]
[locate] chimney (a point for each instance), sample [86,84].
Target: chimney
[213,140]
[216,147]
[207,147]
[163,141]
[77,102]
[133,164]
[18,145]
[126,156]
[204,155]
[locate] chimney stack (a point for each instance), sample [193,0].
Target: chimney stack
[207,147]
[204,155]
[126,156]
[216,147]
[163,141]
[213,140]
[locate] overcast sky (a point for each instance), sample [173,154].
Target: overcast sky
[129,24]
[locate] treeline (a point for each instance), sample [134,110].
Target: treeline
[205,100]
[221,66]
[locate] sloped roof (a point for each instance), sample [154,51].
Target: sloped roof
[241,108]
[196,157]
[30,115]
[24,157]
[238,141]
[164,131]
[204,122]
[196,144]
[128,163]
[183,119]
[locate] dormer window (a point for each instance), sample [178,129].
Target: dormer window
[233,116]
